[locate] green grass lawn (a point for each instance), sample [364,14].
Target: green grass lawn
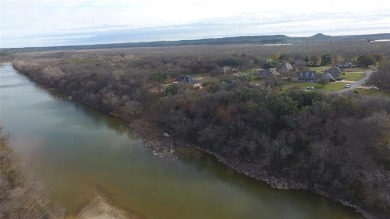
[320,69]
[359,69]
[301,85]
[353,76]
[333,86]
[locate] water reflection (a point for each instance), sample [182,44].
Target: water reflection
[113,123]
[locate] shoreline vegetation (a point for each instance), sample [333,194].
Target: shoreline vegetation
[165,148]
[333,145]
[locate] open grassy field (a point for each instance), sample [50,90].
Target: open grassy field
[353,76]
[320,69]
[333,86]
[357,69]
[301,85]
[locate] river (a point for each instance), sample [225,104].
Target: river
[78,152]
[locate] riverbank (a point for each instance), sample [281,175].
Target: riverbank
[165,147]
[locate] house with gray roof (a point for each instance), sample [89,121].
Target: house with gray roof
[327,76]
[334,71]
[307,76]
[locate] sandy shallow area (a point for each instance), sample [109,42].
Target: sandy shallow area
[98,208]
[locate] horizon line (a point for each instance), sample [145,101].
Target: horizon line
[196,39]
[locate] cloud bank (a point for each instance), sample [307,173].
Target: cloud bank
[76,22]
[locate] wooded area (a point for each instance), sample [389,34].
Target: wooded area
[338,145]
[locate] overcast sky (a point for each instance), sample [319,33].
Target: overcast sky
[26,23]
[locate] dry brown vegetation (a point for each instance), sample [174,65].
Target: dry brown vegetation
[336,145]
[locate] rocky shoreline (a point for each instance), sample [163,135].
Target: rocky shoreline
[165,147]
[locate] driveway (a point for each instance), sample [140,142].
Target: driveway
[359,83]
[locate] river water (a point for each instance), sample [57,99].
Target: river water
[79,152]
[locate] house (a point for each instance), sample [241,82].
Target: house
[185,79]
[284,68]
[308,76]
[188,80]
[269,72]
[328,77]
[346,64]
[334,71]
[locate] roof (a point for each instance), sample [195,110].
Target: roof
[334,71]
[327,76]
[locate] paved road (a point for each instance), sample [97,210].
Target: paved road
[367,75]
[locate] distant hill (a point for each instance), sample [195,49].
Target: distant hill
[260,40]
[320,36]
